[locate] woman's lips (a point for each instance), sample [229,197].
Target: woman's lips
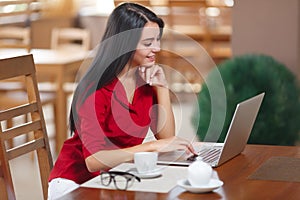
[151,58]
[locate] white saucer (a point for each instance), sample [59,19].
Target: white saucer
[155,173]
[212,185]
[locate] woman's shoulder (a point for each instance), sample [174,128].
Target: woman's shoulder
[102,94]
[98,100]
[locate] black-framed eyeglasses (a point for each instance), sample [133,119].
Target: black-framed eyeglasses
[122,180]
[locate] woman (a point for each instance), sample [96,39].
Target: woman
[121,96]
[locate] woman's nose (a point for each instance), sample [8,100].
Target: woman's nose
[156,46]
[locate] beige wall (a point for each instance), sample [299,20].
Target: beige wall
[96,24]
[271,27]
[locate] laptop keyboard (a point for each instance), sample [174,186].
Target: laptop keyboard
[208,155]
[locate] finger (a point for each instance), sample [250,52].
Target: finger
[157,71]
[192,149]
[142,69]
[188,146]
[158,77]
[142,73]
[148,75]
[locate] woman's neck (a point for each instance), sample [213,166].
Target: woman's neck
[128,79]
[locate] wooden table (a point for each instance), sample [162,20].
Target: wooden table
[57,66]
[234,174]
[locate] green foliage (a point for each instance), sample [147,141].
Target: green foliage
[278,121]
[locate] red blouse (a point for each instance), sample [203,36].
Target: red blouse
[106,121]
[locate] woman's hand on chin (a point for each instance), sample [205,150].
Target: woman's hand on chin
[154,75]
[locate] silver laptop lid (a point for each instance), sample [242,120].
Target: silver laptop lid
[240,127]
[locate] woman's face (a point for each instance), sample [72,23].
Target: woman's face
[148,46]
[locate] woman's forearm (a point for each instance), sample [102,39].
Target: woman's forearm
[165,121]
[106,159]
[155,76]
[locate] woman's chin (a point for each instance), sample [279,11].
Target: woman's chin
[149,64]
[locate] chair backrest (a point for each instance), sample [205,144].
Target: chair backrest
[70,37]
[23,67]
[15,37]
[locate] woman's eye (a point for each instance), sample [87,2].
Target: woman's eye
[148,44]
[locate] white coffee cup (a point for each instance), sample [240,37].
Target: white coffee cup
[145,162]
[199,173]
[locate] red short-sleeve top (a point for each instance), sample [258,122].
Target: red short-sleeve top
[106,121]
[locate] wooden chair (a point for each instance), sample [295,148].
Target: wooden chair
[12,93]
[23,66]
[17,97]
[70,38]
[15,37]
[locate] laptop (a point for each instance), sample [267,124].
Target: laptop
[236,139]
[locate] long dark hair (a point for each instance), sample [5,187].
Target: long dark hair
[118,44]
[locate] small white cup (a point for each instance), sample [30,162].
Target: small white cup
[145,162]
[199,173]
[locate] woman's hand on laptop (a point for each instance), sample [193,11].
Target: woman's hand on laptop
[172,144]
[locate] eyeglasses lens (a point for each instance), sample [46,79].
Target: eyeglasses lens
[105,179]
[120,182]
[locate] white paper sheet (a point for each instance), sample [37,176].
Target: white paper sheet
[161,184]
